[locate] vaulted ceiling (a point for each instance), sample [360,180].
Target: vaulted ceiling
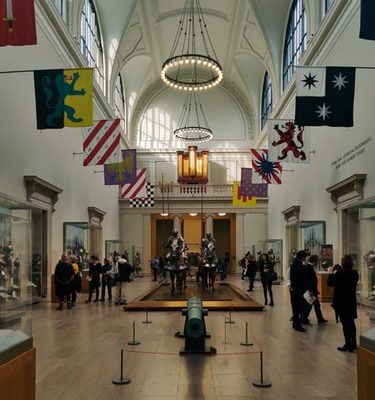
[247,36]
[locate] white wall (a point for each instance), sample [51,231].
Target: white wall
[306,185]
[47,154]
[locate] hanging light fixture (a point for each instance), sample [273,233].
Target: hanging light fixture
[192,64]
[192,124]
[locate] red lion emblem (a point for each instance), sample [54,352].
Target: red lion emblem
[287,137]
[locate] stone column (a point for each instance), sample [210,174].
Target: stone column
[240,217]
[177,223]
[209,223]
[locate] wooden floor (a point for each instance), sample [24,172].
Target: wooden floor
[78,354]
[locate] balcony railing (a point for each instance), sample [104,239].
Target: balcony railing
[181,191]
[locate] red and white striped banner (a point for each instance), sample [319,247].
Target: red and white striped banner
[137,189]
[101,142]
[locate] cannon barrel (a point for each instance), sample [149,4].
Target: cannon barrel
[195,327]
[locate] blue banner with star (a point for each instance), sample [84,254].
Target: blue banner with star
[325,96]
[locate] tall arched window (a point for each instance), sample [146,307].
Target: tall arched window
[295,40]
[91,42]
[266,99]
[327,5]
[60,6]
[118,98]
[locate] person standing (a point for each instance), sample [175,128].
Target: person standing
[94,278]
[154,268]
[297,288]
[76,284]
[124,269]
[266,271]
[107,279]
[344,280]
[251,272]
[312,287]
[64,275]
[243,264]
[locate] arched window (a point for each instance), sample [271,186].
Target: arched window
[327,5]
[118,98]
[295,40]
[60,6]
[91,42]
[266,99]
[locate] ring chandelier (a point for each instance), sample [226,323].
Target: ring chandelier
[192,64]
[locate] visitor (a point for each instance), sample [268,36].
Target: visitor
[311,281]
[64,274]
[344,280]
[107,279]
[266,270]
[297,288]
[94,278]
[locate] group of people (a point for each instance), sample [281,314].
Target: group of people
[304,295]
[303,287]
[68,279]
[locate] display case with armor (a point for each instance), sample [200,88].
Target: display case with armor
[16,284]
[274,249]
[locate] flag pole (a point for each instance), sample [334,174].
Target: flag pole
[23,71]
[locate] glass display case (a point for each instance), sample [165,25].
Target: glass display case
[112,247]
[313,235]
[307,235]
[359,234]
[274,248]
[75,238]
[16,284]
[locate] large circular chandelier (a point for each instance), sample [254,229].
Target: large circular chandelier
[192,64]
[190,129]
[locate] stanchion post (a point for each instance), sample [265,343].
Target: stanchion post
[261,382]
[225,329]
[230,321]
[246,342]
[146,321]
[134,342]
[121,380]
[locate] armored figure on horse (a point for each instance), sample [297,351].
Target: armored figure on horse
[208,263]
[176,260]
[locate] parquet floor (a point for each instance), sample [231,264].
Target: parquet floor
[78,354]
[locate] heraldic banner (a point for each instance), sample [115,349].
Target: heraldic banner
[325,96]
[287,142]
[17,23]
[241,201]
[101,142]
[63,98]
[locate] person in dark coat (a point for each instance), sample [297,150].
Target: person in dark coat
[297,288]
[107,279]
[64,275]
[344,281]
[251,271]
[311,281]
[266,269]
[94,278]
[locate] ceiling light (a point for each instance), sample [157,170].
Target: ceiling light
[193,214]
[192,124]
[221,214]
[192,61]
